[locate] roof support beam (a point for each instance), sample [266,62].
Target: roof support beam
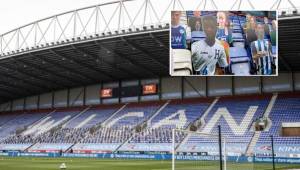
[11,84]
[142,67]
[6,95]
[109,64]
[47,81]
[24,81]
[95,69]
[80,64]
[162,44]
[142,50]
[284,62]
[62,77]
[12,90]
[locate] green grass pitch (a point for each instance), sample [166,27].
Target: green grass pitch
[8,163]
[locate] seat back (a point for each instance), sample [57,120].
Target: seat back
[240,62]
[238,40]
[198,35]
[182,62]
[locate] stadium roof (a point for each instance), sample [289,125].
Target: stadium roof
[107,42]
[140,55]
[289,42]
[72,49]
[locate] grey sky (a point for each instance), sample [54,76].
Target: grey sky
[15,13]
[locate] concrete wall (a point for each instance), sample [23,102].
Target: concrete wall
[93,94]
[297,81]
[246,85]
[5,107]
[45,100]
[218,86]
[61,98]
[76,97]
[18,104]
[283,82]
[171,88]
[194,87]
[31,102]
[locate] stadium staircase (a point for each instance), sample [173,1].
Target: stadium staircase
[38,122]
[268,111]
[157,112]
[68,150]
[2,123]
[253,142]
[141,124]
[91,117]
[254,139]
[74,117]
[102,123]
[126,141]
[44,125]
[26,150]
[12,119]
[107,121]
[34,123]
[202,122]
[270,106]
[66,120]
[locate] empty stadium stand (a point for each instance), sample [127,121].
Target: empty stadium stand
[148,126]
[236,115]
[285,110]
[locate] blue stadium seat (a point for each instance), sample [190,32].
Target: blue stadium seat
[198,35]
[237,108]
[285,109]
[238,40]
[274,49]
[239,61]
[157,134]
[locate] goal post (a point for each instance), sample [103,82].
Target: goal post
[198,150]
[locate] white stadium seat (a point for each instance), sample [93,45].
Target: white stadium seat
[182,62]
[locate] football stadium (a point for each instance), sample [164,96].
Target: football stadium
[90,89]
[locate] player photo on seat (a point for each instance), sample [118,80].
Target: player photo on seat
[223,43]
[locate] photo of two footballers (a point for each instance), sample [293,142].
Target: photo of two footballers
[213,43]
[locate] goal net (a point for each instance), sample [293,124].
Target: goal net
[198,151]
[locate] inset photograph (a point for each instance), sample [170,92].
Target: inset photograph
[223,43]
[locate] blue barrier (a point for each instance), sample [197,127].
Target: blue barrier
[3,154]
[121,156]
[238,159]
[29,154]
[197,158]
[278,160]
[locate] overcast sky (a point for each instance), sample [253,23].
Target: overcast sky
[15,13]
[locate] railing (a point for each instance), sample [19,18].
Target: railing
[289,12]
[107,18]
[99,20]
